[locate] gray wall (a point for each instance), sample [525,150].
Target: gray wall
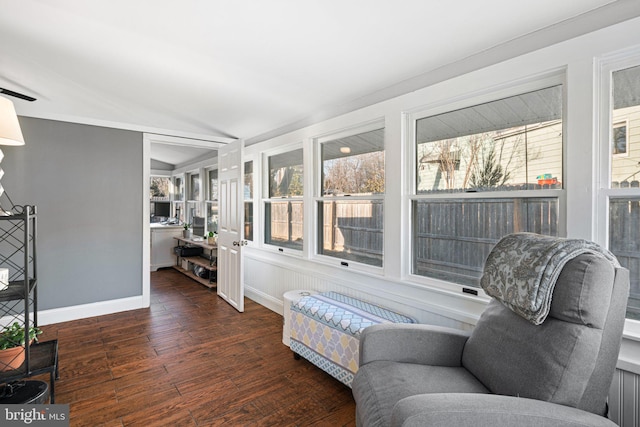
[86,182]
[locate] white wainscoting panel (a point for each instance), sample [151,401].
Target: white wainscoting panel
[624,399]
[266,283]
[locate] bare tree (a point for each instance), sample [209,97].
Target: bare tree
[363,173]
[451,154]
[487,159]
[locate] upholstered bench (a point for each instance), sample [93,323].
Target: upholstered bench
[325,329]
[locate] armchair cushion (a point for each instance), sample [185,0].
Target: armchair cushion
[382,383]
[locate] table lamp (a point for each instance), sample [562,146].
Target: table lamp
[10,134]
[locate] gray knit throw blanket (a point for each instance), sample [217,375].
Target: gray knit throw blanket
[522,269]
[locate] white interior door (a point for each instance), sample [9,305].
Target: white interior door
[230,225]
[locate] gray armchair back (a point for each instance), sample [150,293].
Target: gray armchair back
[570,358]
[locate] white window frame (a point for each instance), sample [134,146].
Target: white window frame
[607,66]
[482,96]
[318,197]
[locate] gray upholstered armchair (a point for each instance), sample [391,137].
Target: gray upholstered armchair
[543,352]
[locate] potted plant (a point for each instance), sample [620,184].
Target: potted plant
[186,233]
[12,342]
[212,238]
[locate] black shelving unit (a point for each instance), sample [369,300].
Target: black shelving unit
[19,301]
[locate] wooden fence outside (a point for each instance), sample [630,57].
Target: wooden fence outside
[353,230]
[284,223]
[452,238]
[624,242]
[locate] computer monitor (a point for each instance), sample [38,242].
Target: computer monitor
[162,209]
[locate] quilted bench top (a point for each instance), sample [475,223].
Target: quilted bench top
[346,313]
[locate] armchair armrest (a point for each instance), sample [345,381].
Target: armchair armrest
[412,343]
[478,410]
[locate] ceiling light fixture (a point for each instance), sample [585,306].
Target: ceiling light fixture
[345,150]
[17,94]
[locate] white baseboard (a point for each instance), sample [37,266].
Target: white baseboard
[66,314]
[264,299]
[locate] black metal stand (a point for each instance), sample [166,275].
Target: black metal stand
[24,392]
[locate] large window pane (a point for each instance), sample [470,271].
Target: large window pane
[625,134]
[248,200]
[284,223]
[159,188]
[624,211]
[284,216]
[213,184]
[285,174]
[194,186]
[624,242]
[453,237]
[178,188]
[354,164]
[159,191]
[178,211]
[195,218]
[212,217]
[513,143]
[352,230]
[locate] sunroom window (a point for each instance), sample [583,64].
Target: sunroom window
[350,208]
[159,196]
[211,203]
[284,208]
[483,172]
[248,200]
[178,198]
[624,191]
[194,214]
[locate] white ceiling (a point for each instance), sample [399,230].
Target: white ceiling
[176,154]
[250,69]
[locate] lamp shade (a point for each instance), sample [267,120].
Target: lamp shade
[10,132]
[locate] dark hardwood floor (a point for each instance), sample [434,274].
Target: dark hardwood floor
[191,360]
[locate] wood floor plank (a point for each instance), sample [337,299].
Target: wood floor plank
[190,360]
[245,416]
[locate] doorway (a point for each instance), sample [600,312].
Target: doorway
[182,149]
